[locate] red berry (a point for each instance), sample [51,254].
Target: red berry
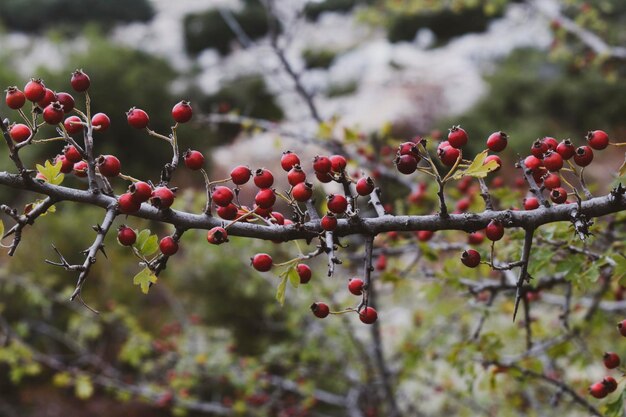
[381,262]
[222,196]
[337,203]
[53,113]
[322,164]
[598,390]
[49,97]
[338,163]
[304,272]
[457,137]
[475,238]
[583,156]
[67,101]
[80,81]
[463,204]
[494,230]
[168,246]
[558,195]
[162,198]
[240,175]
[228,212]
[296,175]
[262,262]
[108,165]
[323,177]
[66,164]
[598,139]
[470,258]
[424,235]
[365,186]
[35,90]
[369,315]
[265,198]
[611,360]
[551,181]
[217,235]
[448,155]
[15,98]
[288,160]
[493,158]
[182,112]
[552,161]
[193,160]
[532,162]
[621,326]
[101,122]
[302,191]
[125,202]
[19,132]
[320,310]
[355,286]
[73,124]
[566,149]
[538,148]
[497,141]
[610,383]
[141,191]
[137,118]
[80,169]
[406,164]
[263,178]
[550,142]
[531,203]
[278,218]
[126,236]
[409,148]
[329,222]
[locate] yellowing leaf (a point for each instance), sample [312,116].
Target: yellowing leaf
[52,173]
[1,229]
[622,169]
[83,387]
[280,292]
[294,278]
[61,379]
[144,278]
[476,168]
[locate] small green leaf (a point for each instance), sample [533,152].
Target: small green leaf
[616,408]
[293,276]
[1,229]
[619,271]
[144,278]
[83,387]
[476,168]
[146,243]
[280,291]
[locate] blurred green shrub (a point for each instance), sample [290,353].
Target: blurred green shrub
[313,10]
[318,58]
[37,15]
[209,29]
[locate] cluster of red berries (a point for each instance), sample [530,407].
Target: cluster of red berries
[611,360]
[368,315]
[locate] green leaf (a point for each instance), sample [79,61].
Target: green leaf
[144,278]
[1,229]
[294,278]
[619,271]
[476,168]
[616,408]
[280,291]
[52,173]
[83,387]
[146,243]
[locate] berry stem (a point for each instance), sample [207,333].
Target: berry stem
[454,167]
[34,141]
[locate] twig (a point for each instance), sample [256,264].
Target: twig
[523,274]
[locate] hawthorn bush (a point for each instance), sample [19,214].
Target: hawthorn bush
[541,229]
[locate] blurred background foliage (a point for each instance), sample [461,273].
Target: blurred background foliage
[211,329]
